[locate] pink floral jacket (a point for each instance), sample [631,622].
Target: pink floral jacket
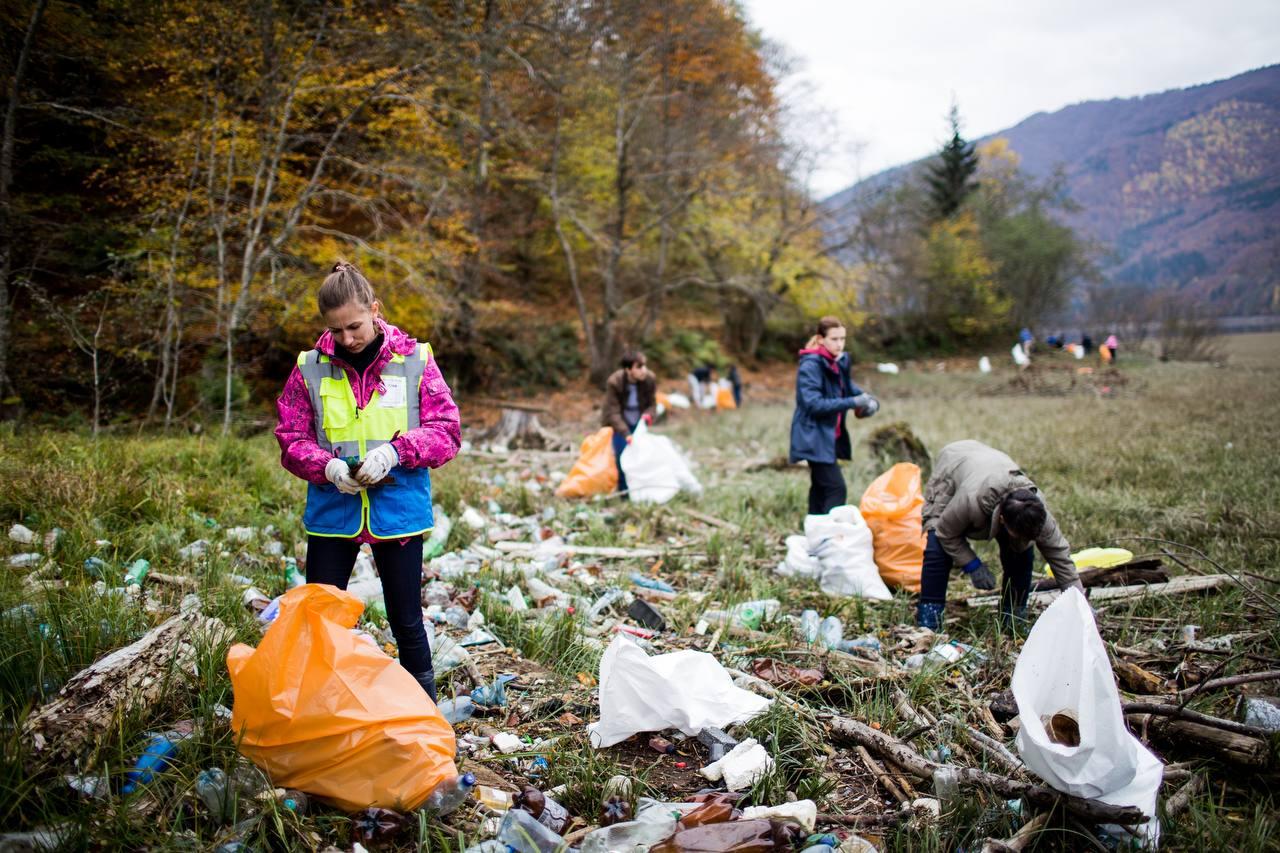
[432,444]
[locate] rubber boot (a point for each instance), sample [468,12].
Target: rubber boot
[428,682]
[929,616]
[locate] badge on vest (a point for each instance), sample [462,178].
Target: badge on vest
[393,397]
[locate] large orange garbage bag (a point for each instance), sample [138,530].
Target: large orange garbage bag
[324,711]
[596,471]
[724,399]
[892,507]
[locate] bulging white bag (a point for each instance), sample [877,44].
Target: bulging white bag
[655,469]
[684,690]
[841,542]
[799,562]
[1063,682]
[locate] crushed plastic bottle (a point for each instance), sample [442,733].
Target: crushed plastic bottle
[459,709]
[137,572]
[869,642]
[946,785]
[214,790]
[629,835]
[549,813]
[22,534]
[809,622]
[831,632]
[96,567]
[492,695]
[603,602]
[493,845]
[450,794]
[26,561]
[292,576]
[379,825]
[523,833]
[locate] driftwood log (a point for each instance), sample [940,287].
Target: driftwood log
[1038,795]
[1135,572]
[121,683]
[1183,585]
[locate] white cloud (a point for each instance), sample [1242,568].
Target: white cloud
[887,71]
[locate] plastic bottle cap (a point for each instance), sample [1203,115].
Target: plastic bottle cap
[468,779]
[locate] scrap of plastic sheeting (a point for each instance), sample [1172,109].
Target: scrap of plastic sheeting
[741,767]
[1064,670]
[684,690]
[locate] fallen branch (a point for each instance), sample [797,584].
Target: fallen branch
[1181,798]
[825,818]
[1180,712]
[121,683]
[881,776]
[1135,572]
[579,550]
[1037,795]
[1232,680]
[1177,586]
[1020,839]
[180,581]
[711,519]
[992,747]
[1227,746]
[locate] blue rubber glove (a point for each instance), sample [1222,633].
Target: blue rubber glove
[979,575]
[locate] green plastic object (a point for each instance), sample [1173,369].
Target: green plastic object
[136,572]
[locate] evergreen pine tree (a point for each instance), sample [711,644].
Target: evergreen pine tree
[950,179]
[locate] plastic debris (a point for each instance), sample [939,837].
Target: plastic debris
[136,573]
[507,743]
[96,567]
[804,813]
[549,813]
[292,576]
[472,518]
[26,561]
[379,825]
[94,787]
[435,544]
[741,766]
[214,790]
[493,798]
[651,583]
[450,794]
[523,833]
[22,534]
[515,598]
[196,549]
[647,615]
[154,758]
[887,367]
[458,709]
[241,534]
[717,741]
[629,835]
[492,695]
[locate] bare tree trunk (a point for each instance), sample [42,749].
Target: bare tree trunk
[570,260]
[6,184]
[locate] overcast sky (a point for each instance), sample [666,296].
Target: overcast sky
[886,71]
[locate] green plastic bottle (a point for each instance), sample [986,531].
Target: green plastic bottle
[293,577]
[136,572]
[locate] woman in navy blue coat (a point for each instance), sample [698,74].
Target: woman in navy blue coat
[819,434]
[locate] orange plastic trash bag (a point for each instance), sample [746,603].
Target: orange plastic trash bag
[724,398]
[324,711]
[596,471]
[892,507]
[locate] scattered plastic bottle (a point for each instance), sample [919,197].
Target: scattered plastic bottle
[493,798]
[96,567]
[154,758]
[809,622]
[22,534]
[459,709]
[870,642]
[436,593]
[616,805]
[661,744]
[378,825]
[214,790]
[292,576]
[450,794]
[831,632]
[492,695]
[523,833]
[629,835]
[549,813]
[651,583]
[136,572]
[457,616]
[946,785]
[602,603]
[295,801]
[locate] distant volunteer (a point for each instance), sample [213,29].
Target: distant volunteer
[978,492]
[363,416]
[630,396]
[825,394]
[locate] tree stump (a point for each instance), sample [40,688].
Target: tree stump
[895,442]
[518,429]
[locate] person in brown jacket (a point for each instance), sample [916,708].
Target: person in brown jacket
[630,395]
[978,492]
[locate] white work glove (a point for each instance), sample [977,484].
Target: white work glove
[376,465]
[338,472]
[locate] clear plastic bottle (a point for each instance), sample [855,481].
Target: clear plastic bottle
[459,709]
[450,794]
[523,833]
[493,798]
[631,835]
[946,785]
[457,617]
[831,632]
[809,621]
[214,790]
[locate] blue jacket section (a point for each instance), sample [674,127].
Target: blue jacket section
[821,397]
[398,509]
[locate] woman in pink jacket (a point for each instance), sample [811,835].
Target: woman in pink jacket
[363,417]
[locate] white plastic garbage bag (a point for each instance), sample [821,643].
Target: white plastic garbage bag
[678,400]
[1020,356]
[841,541]
[887,367]
[1063,681]
[683,690]
[984,365]
[799,563]
[656,470]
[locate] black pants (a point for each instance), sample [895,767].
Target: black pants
[1015,582]
[330,560]
[826,487]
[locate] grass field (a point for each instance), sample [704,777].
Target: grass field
[1180,453]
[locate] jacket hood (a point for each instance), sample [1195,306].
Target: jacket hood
[822,354]
[393,340]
